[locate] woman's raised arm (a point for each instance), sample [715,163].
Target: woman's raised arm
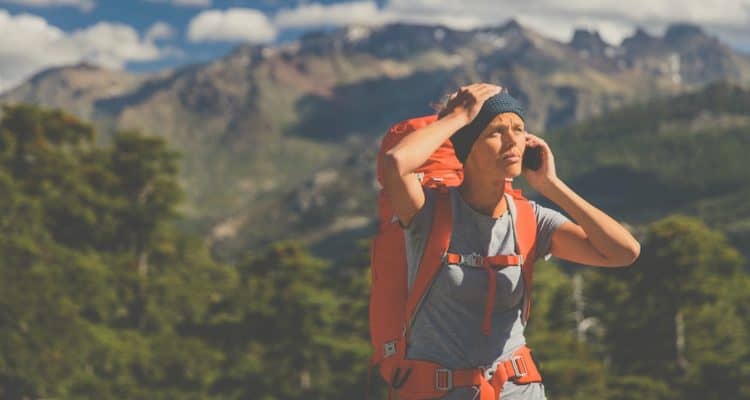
[596,238]
[399,181]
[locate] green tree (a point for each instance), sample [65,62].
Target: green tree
[80,316]
[147,172]
[675,317]
[290,332]
[569,365]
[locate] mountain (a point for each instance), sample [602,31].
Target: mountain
[682,154]
[74,88]
[270,133]
[686,54]
[679,155]
[590,44]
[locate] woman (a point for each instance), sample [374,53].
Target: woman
[487,128]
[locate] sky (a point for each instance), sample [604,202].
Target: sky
[149,35]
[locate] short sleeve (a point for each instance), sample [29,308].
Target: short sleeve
[417,232]
[547,221]
[422,217]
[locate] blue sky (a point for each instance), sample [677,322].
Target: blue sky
[143,14]
[147,35]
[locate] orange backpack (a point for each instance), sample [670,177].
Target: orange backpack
[392,305]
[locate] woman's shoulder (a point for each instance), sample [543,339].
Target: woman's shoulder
[422,220]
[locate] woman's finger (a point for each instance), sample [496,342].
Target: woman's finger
[491,90]
[489,85]
[536,141]
[530,135]
[486,92]
[496,88]
[471,88]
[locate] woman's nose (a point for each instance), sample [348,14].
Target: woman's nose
[512,138]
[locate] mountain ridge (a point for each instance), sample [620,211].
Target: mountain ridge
[262,117]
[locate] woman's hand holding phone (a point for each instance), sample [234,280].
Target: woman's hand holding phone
[532,158]
[540,156]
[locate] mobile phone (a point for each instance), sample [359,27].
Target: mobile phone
[532,158]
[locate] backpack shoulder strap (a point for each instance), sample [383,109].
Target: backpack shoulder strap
[525,227]
[432,257]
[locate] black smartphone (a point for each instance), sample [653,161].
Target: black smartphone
[532,158]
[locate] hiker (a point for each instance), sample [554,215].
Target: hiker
[466,335]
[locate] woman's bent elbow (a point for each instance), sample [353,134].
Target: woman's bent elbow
[630,256]
[392,164]
[635,252]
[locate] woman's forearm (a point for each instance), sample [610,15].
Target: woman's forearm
[416,148]
[605,234]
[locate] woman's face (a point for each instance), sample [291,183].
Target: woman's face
[499,148]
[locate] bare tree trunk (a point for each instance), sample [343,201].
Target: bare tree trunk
[305,380]
[579,305]
[143,263]
[679,322]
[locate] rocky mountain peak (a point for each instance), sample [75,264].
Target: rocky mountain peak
[589,41]
[512,25]
[679,33]
[640,39]
[82,67]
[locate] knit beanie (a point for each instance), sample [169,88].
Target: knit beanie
[494,106]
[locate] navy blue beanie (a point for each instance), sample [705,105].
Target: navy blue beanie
[494,106]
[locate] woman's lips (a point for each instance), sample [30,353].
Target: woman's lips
[512,157]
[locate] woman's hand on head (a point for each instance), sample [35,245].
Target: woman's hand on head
[468,100]
[541,179]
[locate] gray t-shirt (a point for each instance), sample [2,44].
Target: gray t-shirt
[447,325]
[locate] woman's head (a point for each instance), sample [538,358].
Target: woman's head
[493,143]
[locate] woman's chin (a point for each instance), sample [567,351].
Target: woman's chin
[513,171]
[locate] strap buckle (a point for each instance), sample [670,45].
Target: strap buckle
[517,362]
[389,349]
[488,373]
[443,380]
[473,260]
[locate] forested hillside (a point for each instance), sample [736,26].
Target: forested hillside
[102,296]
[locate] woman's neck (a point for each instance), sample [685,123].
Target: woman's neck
[484,196]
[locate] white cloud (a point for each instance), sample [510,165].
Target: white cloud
[185,3]
[455,21]
[160,30]
[192,3]
[29,44]
[232,25]
[83,5]
[111,45]
[317,15]
[562,27]
[614,19]
[698,11]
